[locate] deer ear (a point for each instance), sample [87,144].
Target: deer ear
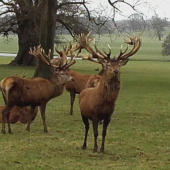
[124,62]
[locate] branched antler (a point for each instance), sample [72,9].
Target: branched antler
[136,42]
[84,41]
[40,54]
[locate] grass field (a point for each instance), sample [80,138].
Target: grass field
[138,135]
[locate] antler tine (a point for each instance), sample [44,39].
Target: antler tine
[101,61]
[100,55]
[47,56]
[84,41]
[71,62]
[75,47]
[38,52]
[136,42]
[122,52]
[108,54]
[23,75]
[71,49]
[43,57]
[89,57]
[56,49]
[62,55]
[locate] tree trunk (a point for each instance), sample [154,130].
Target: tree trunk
[23,57]
[159,36]
[47,33]
[27,37]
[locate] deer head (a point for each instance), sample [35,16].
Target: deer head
[60,70]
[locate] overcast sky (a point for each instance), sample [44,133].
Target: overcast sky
[147,7]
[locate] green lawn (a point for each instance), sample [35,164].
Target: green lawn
[138,136]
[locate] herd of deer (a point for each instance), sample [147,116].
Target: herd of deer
[98,93]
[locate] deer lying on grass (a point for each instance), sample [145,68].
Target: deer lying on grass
[98,103]
[35,91]
[19,114]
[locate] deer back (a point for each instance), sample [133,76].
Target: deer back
[79,82]
[93,81]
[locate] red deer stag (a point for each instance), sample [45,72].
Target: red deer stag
[98,103]
[35,91]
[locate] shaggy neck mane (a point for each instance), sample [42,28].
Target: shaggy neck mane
[109,87]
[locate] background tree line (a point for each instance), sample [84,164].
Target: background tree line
[40,21]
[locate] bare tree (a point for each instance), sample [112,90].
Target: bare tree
[35,23]
[158,25]
[166,46]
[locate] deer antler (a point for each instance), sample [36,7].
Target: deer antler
[136,42]
[63,54]
[70,49]
[62,60]
[84,42]
[40,54]
[89,57]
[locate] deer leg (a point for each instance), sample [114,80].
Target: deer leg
[30,118]
[72,99]
[86,123]
[42,110]
[95,130]
[5,118]
[105,124]
[9,126]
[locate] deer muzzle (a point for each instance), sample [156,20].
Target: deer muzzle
[116,72]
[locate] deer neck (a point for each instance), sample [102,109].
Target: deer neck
[102,71]
[58,88]
[109,87]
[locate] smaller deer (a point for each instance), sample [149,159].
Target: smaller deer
[19,114]
[80,80]
[98,103]
[35,91]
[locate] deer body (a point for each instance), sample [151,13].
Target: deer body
[33,91]
[79,83]
[98,103]
[76,87]
[99,100]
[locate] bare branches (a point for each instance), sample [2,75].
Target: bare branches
[60,5]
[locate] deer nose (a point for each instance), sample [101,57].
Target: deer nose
[116,71]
